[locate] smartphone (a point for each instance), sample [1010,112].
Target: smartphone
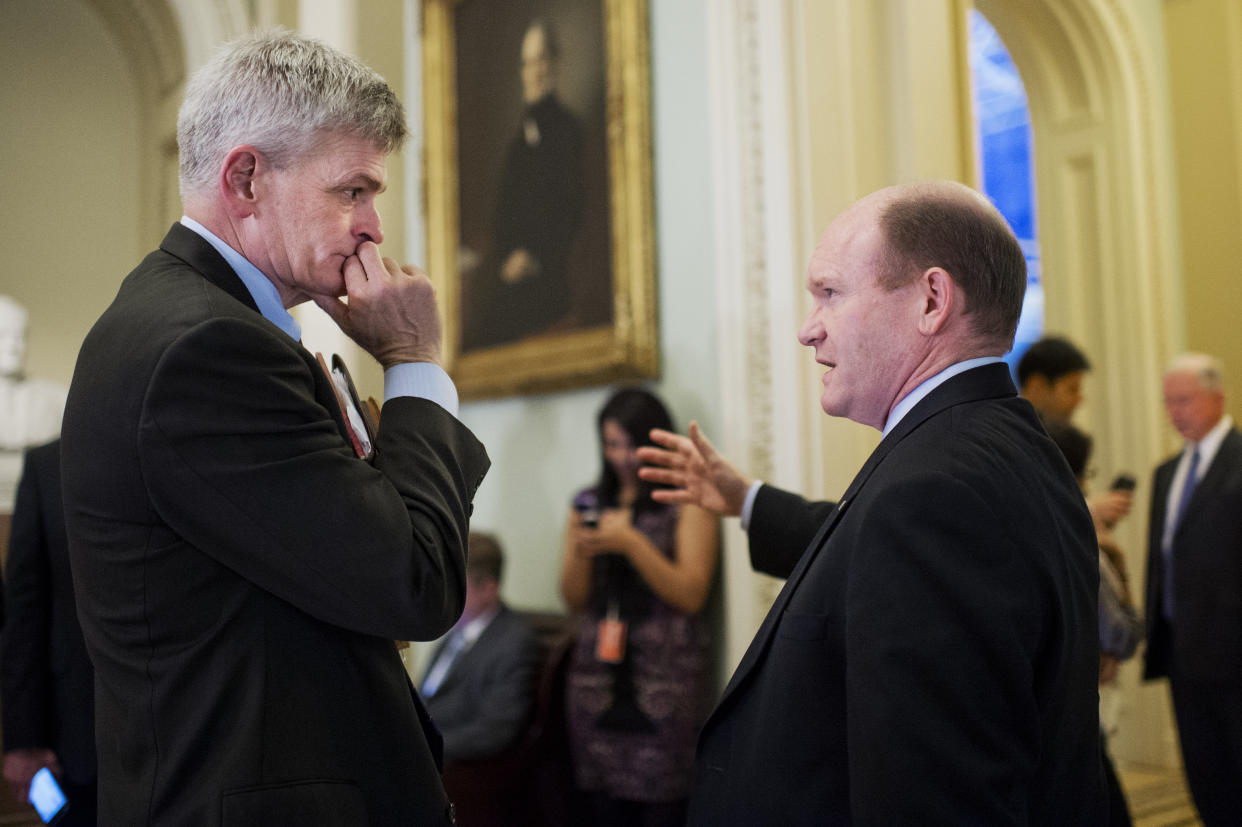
[590,517]
[1123,482]
[46,795]
[587,506]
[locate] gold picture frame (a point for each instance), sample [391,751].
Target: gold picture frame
[609,331]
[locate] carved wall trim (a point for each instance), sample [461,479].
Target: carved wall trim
[758,263]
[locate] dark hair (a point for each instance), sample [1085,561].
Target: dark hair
[1075,446]
[637,411]
[484,559]
[936,224]
[1051,357]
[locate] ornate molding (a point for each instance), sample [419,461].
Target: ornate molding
[747,75]
[152,41]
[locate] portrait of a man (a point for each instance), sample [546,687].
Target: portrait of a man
[533,250]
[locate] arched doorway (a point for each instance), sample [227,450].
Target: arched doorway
[1106,269]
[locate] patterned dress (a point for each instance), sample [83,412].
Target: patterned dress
[633,726]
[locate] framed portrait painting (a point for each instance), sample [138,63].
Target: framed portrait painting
[537,168]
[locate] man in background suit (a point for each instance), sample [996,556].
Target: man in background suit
[1194,584]
[47,684]
[1050,377]
[479,684]
[932,657]
[241,572]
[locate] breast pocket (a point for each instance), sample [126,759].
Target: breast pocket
[302,803]
[793,626]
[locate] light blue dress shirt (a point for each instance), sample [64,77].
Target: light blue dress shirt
[899,410]
[422,379]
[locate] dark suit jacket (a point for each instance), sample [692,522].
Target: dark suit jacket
[932,658]
[47,684]
[485,699]
[241,575]
[1207,548]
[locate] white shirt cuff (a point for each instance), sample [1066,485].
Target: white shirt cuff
[749,503]
[426,380]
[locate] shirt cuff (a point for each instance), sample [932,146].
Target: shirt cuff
[426,380]
[749,503]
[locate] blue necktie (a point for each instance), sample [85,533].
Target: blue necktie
[1188,489]
[439,670]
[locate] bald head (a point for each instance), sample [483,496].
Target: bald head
[904,283]
[948,225]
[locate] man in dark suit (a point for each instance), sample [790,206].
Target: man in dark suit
[1194,585]
[1050,376]
[241,572]
[932,657]
[479,684]
[47,684]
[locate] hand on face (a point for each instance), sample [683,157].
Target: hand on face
[390,311]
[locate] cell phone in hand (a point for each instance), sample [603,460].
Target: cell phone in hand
[588,508]
[46,796]
[590,517]
[1123,482]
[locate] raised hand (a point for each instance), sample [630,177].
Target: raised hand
[698,474]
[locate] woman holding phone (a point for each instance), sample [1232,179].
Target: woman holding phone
[636,573]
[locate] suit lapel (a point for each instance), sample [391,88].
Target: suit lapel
[194,250]
[1227,457]
[987,381]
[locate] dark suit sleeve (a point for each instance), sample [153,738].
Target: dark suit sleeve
[242,462]
[1156,654]
[782,524]
[940,615]
[26,695]
[501,695]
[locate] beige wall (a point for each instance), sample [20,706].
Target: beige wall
[1205,79]
[70,229]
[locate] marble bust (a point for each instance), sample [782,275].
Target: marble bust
[30,409]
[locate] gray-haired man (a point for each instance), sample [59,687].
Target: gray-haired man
[241,573]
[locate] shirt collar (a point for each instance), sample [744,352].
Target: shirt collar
[928,385]
[471,631]
[260,286]
[1210,444]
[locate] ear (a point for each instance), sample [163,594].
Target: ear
[937,297]
[237,176]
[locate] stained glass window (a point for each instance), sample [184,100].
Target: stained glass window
[1003,123]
